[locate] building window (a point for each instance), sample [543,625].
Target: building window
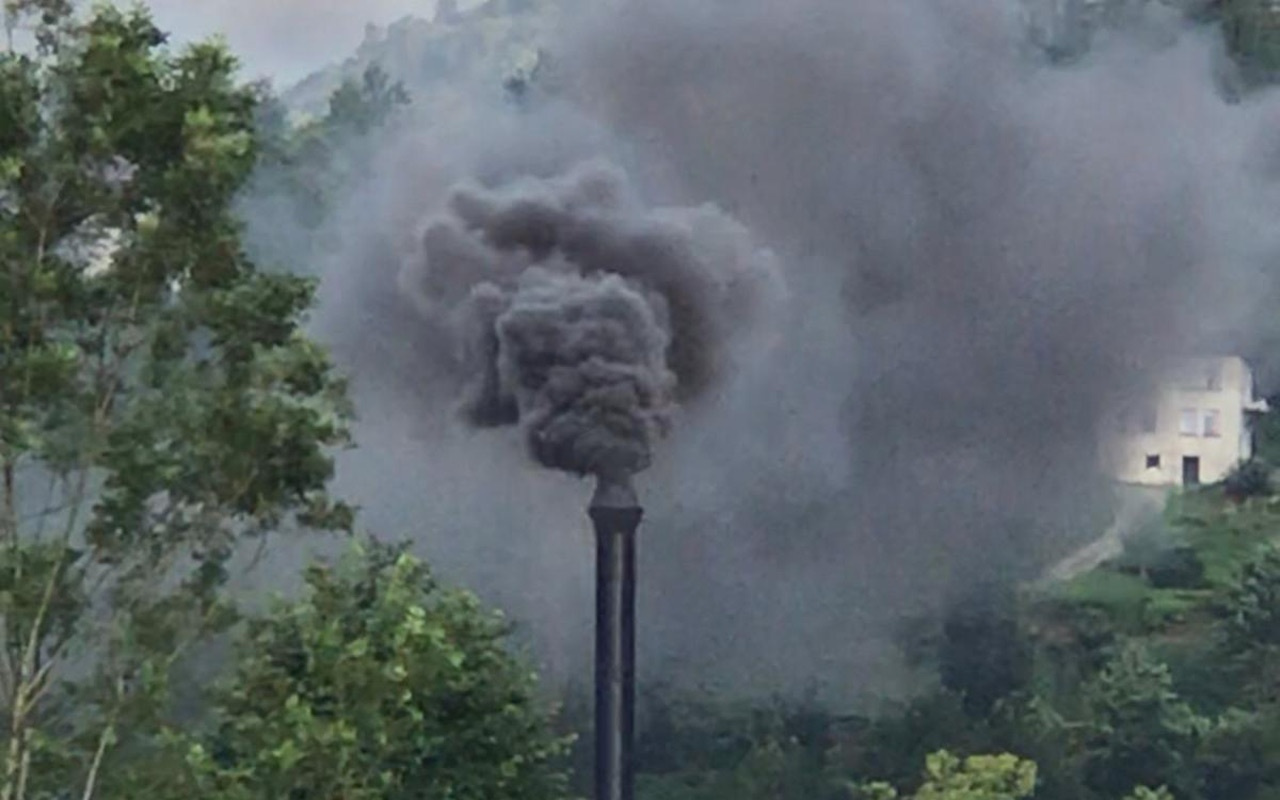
[1153,461]
[1188,423]
[1212,424]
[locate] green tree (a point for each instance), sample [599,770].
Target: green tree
[378,685]
[1250,612]
[1251,29]
[1002,777]
[769,769]
[1039,732]
[1248,615]
[696,749]
[1141,732]
[356,108]
[1266,433]
[310,164]
[158,400]
[982,654]
[1239,755]
[949,777]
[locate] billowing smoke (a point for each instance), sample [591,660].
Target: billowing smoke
[583,316]
[581,362]
[984,255]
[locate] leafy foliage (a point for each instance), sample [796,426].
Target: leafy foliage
[983,656]
[158,400]
[1142,733]
[1250,30]
[306,167]
[692,748]
[1131,685]
[1266,433]
[377,684]
[1002,777]
[1251,478]
[1251,609]
[360,107]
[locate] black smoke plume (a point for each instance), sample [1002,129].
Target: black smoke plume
[983,253]
[583,316]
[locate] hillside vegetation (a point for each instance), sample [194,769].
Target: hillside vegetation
[1157,672]
[452,56]
[442,61]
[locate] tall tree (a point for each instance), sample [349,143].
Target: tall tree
[1251,29]
[308,166]
[949,777]
[1143,734]
[379,684]
[158,400]
[1001,777]
[1251,610]
[357,107]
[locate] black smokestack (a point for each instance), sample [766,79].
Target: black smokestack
[585,318]
[616,513]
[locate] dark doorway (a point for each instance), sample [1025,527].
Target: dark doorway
[1190,470]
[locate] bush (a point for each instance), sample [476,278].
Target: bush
[983,655]
[377,684]
[1178,568]
[1251,610]
[1250,478]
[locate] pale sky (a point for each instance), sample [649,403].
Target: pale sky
[286,39]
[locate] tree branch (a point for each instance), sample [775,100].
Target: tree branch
[91,782]
[25,686]
[104,741]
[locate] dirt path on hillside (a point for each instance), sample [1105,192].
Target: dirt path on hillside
[1135,505]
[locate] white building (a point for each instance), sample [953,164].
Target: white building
[1194,430]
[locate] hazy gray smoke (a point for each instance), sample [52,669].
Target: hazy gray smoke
[1017,247]
[983,256]
[582,315]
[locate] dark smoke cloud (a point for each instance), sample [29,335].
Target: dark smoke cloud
[581,361]
[584,316]
[983,256]
[1018,247]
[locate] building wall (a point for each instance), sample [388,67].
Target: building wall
[1182,427]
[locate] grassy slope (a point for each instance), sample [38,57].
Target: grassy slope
[1173,612]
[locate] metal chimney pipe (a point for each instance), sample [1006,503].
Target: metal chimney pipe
[615,512]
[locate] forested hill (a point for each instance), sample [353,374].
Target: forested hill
[481,46]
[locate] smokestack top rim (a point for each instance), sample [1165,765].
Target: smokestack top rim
[614,492]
